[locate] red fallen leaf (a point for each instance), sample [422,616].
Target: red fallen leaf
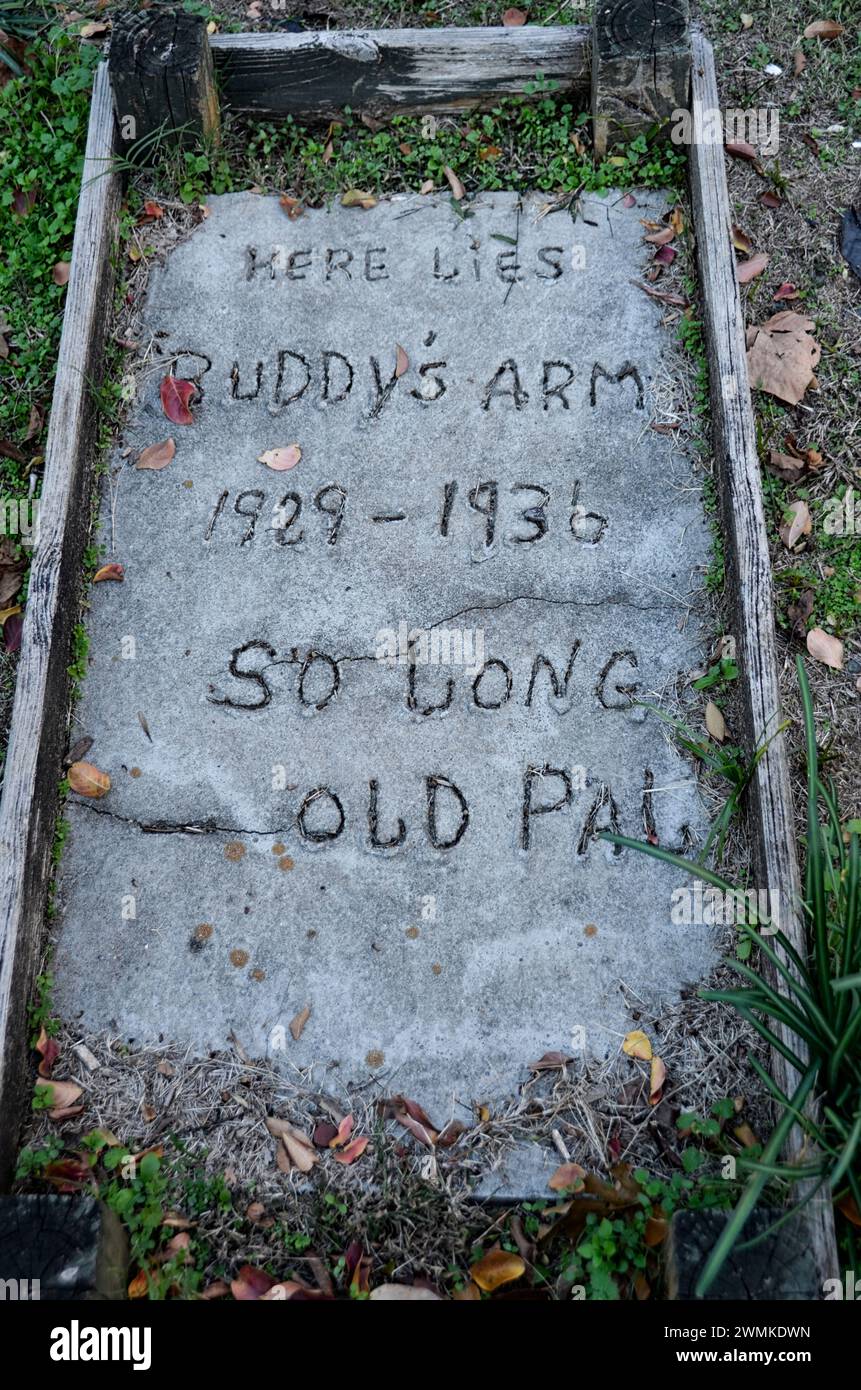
[660,238]
[68,1174]
[352,1151]
[740,149]
[139,1286]
[175,396]
[292,206]
[342,1133]
[748,270]
[156,456]
[60,273]
[12,629]
[665,255]
[358,1267]
[251,1284]
[88,780]
[786,291]
[324,1133]
[153,210]
[23,201]
[112,571]
[629,201]
[513,18]
[49,1050]
[770,200]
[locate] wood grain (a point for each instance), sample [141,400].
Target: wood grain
[39,718]
[749,577]
[315,75]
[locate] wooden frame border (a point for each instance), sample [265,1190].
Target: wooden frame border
[30,800]
[315,75]
[740,490]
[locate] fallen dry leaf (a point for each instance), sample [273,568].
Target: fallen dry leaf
[748,270]
[250,1283]
[402,1293]
[88,780]
[715,722]
[61,1094]
[769,199]
[112,571]
[512,18]
[660,238]
[352,1151]
[60,273]
[156,456]
[740,149]
[292,206]
[787,291]
[636,1044]
[496,1268]
[551,1061]
[799,523]
[568,1176]
[357,198]
[402,362]
[824,29]
[741,241]
[297,1024]
[12,569]
[48,1050]
[782,355]
[457,189]
[298,1147]
[823,647]
[281,459]
[175,396]
[656,1080]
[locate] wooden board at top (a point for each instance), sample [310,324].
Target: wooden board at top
[316,75]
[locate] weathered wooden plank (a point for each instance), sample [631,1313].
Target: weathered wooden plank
[750,586]
[640,67]
[315,75]
[162,76]
[37,743]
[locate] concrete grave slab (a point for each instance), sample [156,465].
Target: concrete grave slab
[300,814]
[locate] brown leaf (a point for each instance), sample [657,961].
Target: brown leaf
[512,18]
[551,1061]
[156,456]
[823,647]
[660,238]
[357,198]
[496,1268]
[298,1147]
[12,569]
[292,206]
[457,189]
[402,362]
[824,29]
[787,291]
[799,62]
[657,1229]
[798,524]
[770,199]
[715,722]
[88,780]
[664,296]
[782,356]
[811,142]
[112,571]
[251,1283]
[48,1050]
[280,460]
[60,273]
[402,1293]
[746,271]
[567,1176]
[799,612]
[61,1094]
[657,1078]
[740,149]
[784,466]
[741,241]
[297,1024]
[175,396]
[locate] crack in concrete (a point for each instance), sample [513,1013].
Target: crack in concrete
[163,827]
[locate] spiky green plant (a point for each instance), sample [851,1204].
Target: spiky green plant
[819,1003]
